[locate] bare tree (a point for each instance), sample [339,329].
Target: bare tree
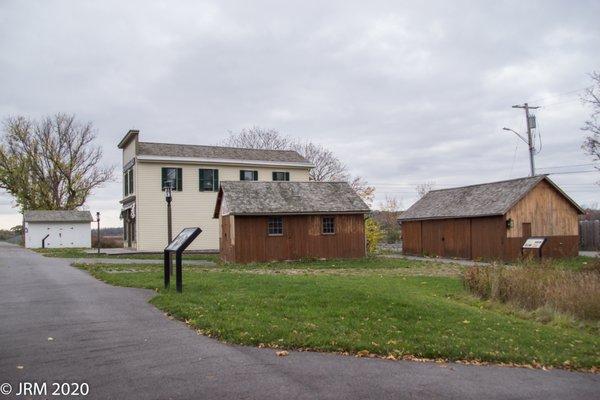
[424,188]
[258,138]
[387,217]
[327,166]
[50,164]
[591,144]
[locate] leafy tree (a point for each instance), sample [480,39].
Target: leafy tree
[591,144]
[373,233]
[327,166]
[50,164]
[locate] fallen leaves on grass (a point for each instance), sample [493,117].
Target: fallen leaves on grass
[282,353]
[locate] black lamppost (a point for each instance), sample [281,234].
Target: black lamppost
[168,198]
[98,231]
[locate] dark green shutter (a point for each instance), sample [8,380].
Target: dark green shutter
[255,175]
[241,175]
[164,178]
[125,182]
[201,180]
[215,180]
[131,181]
[287,176]
[179,179]
[274,176]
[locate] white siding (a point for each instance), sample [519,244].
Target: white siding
[190,207]
[62,234]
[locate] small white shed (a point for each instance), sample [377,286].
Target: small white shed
[69,228]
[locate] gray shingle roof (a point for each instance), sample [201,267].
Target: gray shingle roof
[57,216]
[256,198]
[487,199]
[217,152]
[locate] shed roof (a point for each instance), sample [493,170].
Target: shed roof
[486,199]
[219,153]
[268,198]
[57,216]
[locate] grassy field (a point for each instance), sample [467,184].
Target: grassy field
[379,306]
[80,253]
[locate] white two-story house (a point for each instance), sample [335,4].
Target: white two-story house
[195,173]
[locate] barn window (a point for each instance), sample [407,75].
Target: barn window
[281,176]
[328,225]
[275,226]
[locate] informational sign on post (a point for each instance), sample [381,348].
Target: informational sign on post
[534,243]
[177,246]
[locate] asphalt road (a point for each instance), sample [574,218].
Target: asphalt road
[124,348]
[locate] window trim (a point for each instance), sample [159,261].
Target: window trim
[254,174]
[178,178]
[269,222]
[214,179]
[286,176]
[333,225]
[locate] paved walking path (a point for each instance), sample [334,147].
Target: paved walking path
[59,324]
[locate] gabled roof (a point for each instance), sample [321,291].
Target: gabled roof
[219,153]
[269,198]
[57,216]
[487,199]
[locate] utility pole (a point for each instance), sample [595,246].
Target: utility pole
[530,143]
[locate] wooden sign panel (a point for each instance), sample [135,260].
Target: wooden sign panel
[534,243]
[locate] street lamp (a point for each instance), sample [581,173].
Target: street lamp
[529,144]
[98,231]
[168,198]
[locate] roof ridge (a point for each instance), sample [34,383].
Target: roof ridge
[221,147]
[541,176]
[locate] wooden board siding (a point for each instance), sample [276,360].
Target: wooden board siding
[302,238]
[549,213]
[225,238]
[555,247]
[411,238]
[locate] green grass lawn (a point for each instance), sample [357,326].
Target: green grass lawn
[80,253]
[381,311]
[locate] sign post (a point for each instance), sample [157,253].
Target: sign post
[177,246]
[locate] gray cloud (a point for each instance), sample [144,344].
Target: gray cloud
[402,92]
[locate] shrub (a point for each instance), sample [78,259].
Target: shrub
[374,234]
[538,286]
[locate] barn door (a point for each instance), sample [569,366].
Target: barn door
[456,238]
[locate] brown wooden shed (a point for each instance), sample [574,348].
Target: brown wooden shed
[266,221]
[492,221]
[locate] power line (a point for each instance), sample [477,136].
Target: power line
[569,166]
[558,95]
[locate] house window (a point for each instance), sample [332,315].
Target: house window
[247,175]
[128,182]
[209,180]
[328,225]
[275,226]
[131,181]
[281,176]
[172,177]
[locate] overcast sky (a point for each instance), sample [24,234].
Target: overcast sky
[402,92]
